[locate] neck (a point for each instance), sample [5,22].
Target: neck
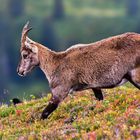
[48,61]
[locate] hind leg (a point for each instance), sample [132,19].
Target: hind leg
[98,94]
[134,77]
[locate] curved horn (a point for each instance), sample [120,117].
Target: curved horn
[25,31]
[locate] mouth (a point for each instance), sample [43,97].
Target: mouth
[22,74]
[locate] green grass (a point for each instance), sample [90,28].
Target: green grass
[117,117]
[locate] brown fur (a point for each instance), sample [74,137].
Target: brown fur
[103,64]
[99,65]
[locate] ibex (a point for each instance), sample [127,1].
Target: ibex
[104,64]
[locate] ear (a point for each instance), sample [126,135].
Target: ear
[31,46]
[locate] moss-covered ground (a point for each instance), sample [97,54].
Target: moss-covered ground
[79,116]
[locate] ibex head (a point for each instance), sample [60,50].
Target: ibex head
[29,53]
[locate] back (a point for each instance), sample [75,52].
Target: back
[106,61]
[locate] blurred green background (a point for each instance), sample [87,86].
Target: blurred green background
[58,24]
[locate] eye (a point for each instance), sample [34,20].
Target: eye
[25,56]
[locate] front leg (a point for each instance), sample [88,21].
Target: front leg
[53,104]
[58,95]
